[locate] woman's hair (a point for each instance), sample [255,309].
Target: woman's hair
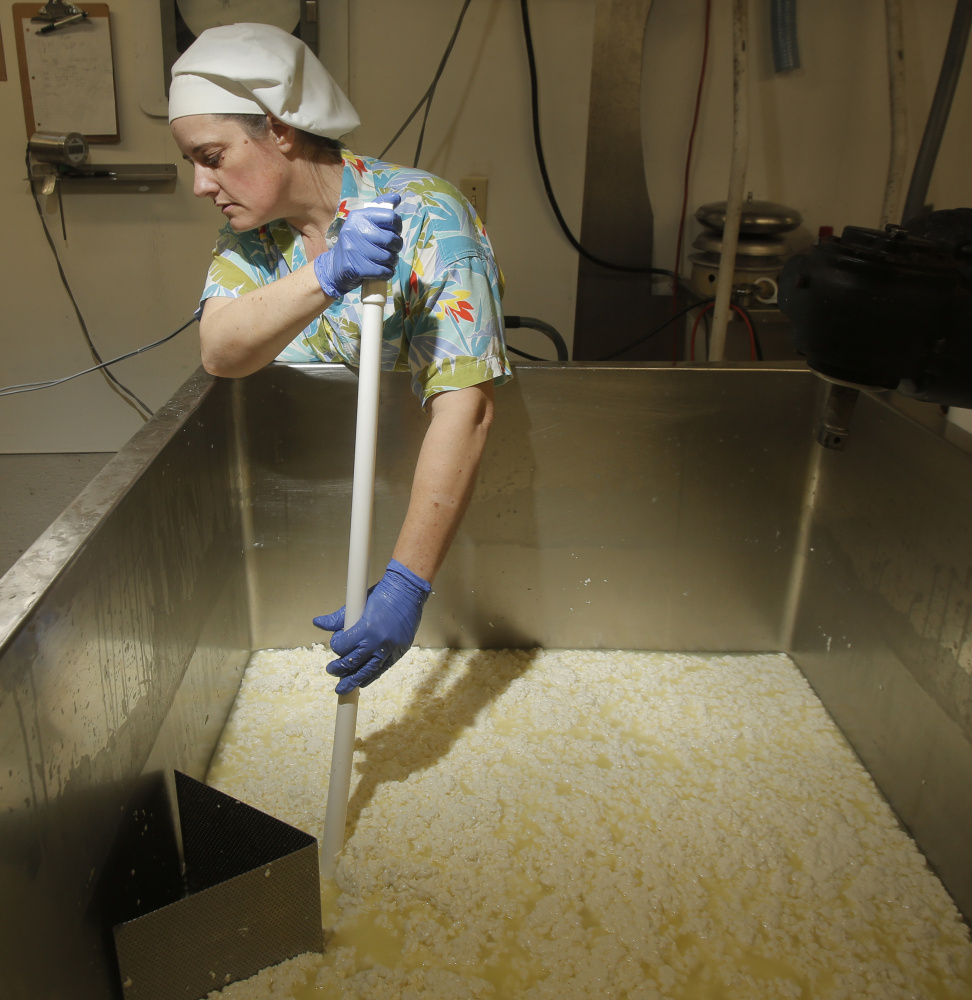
[318,148]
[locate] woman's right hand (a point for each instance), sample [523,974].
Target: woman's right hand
[367,247]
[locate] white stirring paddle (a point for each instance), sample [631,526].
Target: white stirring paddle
[373,296]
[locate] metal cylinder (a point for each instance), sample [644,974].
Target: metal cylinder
[59,147]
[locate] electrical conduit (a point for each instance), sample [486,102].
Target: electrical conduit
[899,112]
[958,38]
[737,178]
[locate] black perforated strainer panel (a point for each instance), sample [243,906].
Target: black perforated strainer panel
[254,901]
[223,837]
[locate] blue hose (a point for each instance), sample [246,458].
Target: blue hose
[786,55]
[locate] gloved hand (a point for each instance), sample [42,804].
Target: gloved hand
[383,633]
[367,247]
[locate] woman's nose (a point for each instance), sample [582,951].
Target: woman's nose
[203,185]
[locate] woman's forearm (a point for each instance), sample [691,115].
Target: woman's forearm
[240,336]
[445,477]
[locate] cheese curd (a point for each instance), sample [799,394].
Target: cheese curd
[552,825]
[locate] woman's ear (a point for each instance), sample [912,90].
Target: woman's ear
[282,135]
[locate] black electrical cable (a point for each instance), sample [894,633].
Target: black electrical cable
[542,163]
[126,394]
[757,346]
[429,94]
[658,329]
[405,125]
[435,81]
[550,332]
[523,354]
[12,390]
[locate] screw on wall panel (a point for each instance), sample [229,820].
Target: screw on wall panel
[473,189]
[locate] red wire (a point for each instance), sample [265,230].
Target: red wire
[688,165]
[745,319]
[695,327]
[749,327]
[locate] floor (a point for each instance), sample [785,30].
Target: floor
[34,489]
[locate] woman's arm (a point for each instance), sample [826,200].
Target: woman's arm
[240,336]
[445,476]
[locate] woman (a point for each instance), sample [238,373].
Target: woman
[257,115]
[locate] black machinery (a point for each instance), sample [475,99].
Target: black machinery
[888,309]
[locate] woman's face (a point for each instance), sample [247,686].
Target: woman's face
[245,177]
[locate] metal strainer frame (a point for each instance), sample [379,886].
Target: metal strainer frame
[252,900]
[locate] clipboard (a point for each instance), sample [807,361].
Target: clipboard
[67,75]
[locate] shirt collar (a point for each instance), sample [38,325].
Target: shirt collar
[357,189]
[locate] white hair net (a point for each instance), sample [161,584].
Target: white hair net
[255,69]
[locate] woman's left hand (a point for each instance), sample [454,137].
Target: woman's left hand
[367,247]
[384,632]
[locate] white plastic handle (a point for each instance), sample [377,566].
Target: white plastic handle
[373,296]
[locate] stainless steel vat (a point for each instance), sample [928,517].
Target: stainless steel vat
[636,507]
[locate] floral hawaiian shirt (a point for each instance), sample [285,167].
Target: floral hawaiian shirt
[443,320]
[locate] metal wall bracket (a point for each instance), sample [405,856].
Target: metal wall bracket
[103,176]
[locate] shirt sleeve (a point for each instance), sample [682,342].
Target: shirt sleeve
[456,335]
[241,262]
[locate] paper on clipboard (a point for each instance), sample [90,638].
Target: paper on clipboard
[71,77]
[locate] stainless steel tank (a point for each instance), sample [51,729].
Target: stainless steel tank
[637,507]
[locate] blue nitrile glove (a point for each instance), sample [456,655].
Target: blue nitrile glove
[367,247]
[383,633]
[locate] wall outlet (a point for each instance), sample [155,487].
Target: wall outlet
[474,191]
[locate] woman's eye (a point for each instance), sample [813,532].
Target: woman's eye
[213,161]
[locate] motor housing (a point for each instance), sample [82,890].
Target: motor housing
[888,309]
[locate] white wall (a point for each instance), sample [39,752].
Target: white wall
[820,143]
